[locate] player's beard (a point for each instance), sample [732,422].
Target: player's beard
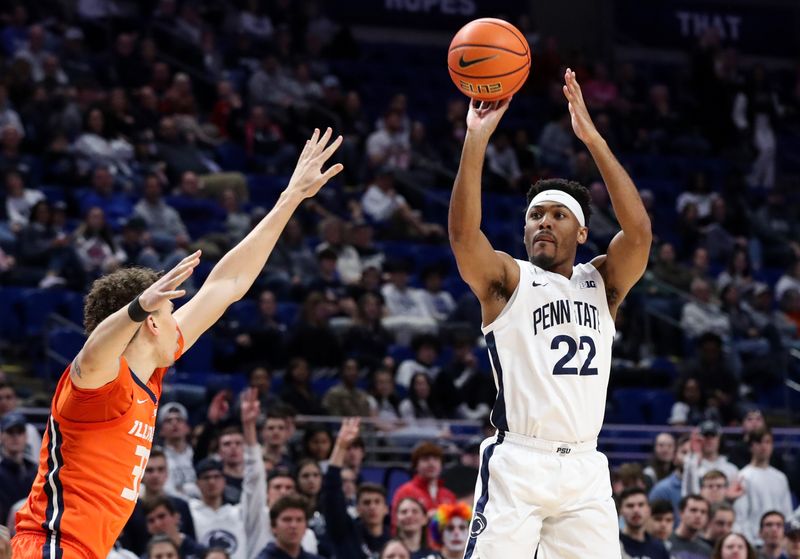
[543,261]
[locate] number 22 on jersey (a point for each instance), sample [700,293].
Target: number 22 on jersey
[560,367]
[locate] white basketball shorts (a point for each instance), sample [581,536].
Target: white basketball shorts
[553,495]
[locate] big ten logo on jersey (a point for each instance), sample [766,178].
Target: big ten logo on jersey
[480,88]
[587,284]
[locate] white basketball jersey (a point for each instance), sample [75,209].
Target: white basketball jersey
[551,353]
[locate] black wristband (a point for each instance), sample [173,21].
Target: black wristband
[136,312]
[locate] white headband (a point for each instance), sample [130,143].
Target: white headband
[559,197]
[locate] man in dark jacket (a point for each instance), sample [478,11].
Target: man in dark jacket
[362,537]
[289,520]
[16,472]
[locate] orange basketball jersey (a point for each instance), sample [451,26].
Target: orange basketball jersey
[94,451]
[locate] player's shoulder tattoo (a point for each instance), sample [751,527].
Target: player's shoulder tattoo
[75,369]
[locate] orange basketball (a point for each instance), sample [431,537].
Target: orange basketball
[489,59]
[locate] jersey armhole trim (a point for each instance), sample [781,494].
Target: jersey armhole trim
[499,320]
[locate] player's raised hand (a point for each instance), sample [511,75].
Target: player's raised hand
[582,123]
[308,176]
[166,287]
[484,116]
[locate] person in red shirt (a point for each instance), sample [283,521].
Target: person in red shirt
[426,486]
[102,418]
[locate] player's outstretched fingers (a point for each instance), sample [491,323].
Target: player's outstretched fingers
[331,148]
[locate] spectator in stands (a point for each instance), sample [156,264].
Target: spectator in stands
[230,448]
[309,485]
[279,484]
[366,339]
[501,164]
[739,450]
[739,272]
[154,481]
[260,378]
[715,488]
[265,145]
[439,302]
[792,531]
[669,270]
[263,339]
[407,313]
[16,471]
[662,460]
[19,201]
[384,401]
[95,244]
[292,262]
[420,408]
[390,144]
[720,522]
[243,523]
[173,427]
[297,391]
[390,211]
[312,339]
[317,443]
[461,389]
[411,522]
[47,252]
[771,535]
[600,92]
[360,537]
[289,521]
[426,352]
[635,540]
[717,378]
[426,486]
[604,222]
[777,230]
[449,529]
[669,488]
[685,542]
[747,338]
[96,147]
[702,315]
[275,434]
[162,518]
[789,280]
[767,488]
[348,264]
[662,520]
[158,547]
[699,193]
[733,546]
[115,205]
[701,265]
[689,406]
[722,235]
[555,145]
[9,402]
[345,398]
[704,456]
[164,224]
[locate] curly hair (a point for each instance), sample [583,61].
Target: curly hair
[112,292]
[574,189]
[443,515]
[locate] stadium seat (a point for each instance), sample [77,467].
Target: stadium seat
[199,357]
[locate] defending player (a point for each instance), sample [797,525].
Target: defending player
[549,326]
[102,419]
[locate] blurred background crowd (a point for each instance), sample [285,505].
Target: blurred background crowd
[134,132]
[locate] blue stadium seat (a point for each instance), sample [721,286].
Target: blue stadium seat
[629,405]
[231,156]
[199,357]
[36,305]
[659,406]
[288,313]
[11,324]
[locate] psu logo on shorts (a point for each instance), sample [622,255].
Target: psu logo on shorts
[222,539]
[563,450]
[478,525]
[587,284]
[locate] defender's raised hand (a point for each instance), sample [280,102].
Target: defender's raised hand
[581,121]
[308,176]
[166,287]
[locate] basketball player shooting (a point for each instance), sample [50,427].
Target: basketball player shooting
[549,326]
[102,417]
